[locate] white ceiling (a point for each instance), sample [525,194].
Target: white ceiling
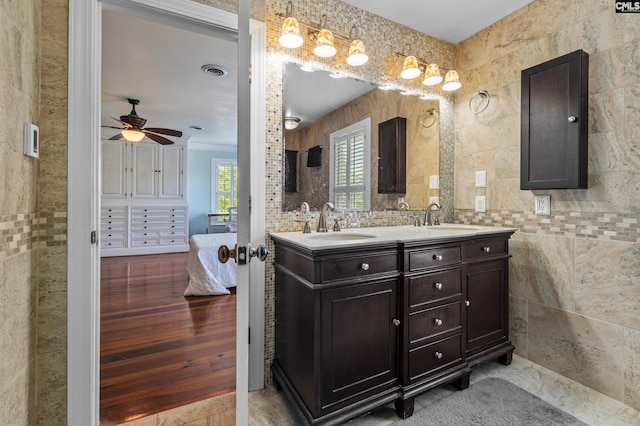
[448,20]
[160,65]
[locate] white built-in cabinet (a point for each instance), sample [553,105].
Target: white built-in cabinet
[144,208]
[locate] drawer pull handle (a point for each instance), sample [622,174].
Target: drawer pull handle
[438,355]
[437,257]
[437,321]
[438,286]
[467,303]
[486,249]
[396,322]
[364,266]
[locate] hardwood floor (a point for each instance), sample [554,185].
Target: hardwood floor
[158,349]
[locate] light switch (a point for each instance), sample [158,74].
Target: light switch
[481,204]
[481,179]
[543,204]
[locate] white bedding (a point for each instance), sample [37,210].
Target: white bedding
[207,275]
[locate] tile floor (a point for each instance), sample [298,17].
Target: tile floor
[269,408]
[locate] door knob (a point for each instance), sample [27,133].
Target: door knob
[260,252]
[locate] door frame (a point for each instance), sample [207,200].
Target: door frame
[83,209]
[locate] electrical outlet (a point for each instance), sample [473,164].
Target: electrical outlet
[481,179]
[481,204]
[543,204]
[434,200]
[434,182]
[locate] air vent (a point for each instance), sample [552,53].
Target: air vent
[214,70]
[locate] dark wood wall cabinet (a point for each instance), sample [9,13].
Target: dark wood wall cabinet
[392,156]
[554,123]
[360,327]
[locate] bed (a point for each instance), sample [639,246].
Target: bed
[207,275]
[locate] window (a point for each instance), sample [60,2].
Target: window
[350,167]
[224,185]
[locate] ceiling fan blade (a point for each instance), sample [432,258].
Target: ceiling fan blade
[127,125]
[116,137]
[161,140]
[112,127]
[168,132]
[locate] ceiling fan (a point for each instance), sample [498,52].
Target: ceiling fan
[134,130]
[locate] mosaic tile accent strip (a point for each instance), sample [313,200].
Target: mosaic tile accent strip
[594,225]
[25,231]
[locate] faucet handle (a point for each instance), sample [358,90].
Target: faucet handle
[336,225]
[436,220]
[307,228]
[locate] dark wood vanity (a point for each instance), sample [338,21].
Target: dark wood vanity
[361,325]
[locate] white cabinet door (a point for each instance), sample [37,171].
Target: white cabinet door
[171,181]
[114,169]
[145,170]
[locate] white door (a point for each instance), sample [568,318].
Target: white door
[144,170]
[171,173]
[84,193]
[114,169]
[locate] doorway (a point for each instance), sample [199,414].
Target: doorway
[84,122]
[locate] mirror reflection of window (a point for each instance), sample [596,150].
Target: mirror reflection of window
[350,177]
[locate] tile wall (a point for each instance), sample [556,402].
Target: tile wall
[574,275]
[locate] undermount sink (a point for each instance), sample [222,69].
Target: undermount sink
[342,236]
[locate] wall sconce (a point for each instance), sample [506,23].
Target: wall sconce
[290,36]
[132,135]
[291,123]
[324,39]
[412,68]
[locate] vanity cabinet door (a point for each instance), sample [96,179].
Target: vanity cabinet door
[486,304]
[359,340]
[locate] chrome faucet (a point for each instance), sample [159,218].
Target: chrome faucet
[322,221]
[427,215]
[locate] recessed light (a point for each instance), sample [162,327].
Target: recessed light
[307,68]
[214,70]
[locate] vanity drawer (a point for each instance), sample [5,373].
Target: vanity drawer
[433,257]
[431,288]
[360,266]
[485,248]
[435,321]
[434,356]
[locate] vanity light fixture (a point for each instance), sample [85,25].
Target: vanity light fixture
[290,36]
[324,39]
[413,67]
[357,55]
[132,135]
[291,123]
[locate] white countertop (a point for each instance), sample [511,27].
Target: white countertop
[385,234]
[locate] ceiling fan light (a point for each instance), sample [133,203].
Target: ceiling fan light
[451,81]
[291,123]
[132,135]
[325,47]
[290,36]
[432,75]
[410,68]
[357,55]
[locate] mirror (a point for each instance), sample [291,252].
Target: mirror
[324,105]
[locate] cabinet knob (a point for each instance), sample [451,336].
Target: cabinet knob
[438,286]
[364,266]
[437,321]
[437,257]
[486,249]
[572,119]
[396,322]
[438,355]
[467,303]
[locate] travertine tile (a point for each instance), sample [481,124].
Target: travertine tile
[541,269]
[518,330]
[198,410]
[606,281]
[16,399]
[51,390]
[582,349]
[632,368]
